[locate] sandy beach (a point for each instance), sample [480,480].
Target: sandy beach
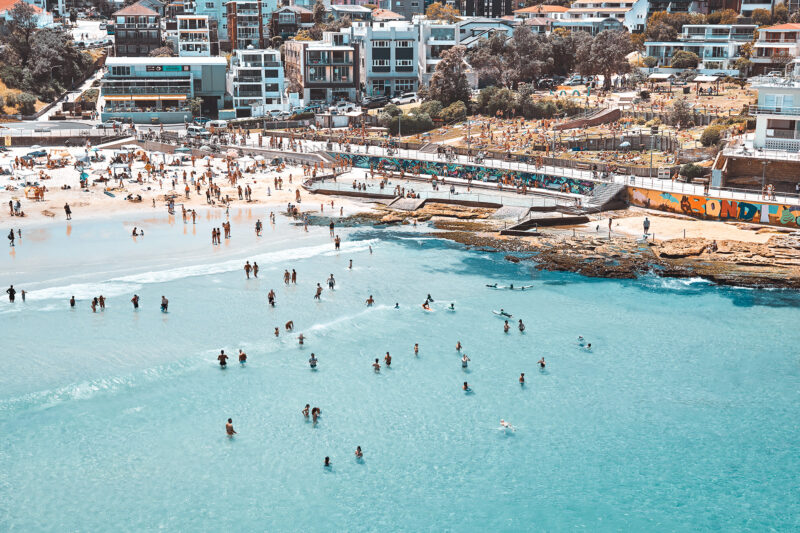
[94,202]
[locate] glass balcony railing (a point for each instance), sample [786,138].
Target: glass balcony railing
[774,110]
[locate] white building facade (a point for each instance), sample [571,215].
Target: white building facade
[256,79]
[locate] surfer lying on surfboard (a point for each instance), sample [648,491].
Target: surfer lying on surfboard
[502,312]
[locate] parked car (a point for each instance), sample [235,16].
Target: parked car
[342,107]
[374,102]
[545,83]
[312,108]
[574,80]
[108,124]
[103,25]
[198,131]
[775,73]
[36,153]
[405,98]
[201,120]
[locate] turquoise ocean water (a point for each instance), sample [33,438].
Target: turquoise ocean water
[683,417]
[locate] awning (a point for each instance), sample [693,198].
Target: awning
[660,76]
[705,79]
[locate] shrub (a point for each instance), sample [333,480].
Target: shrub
[11,100]
[410,124]
[392,110]
[684,59]
[654,122]
[712,135]
[433,108]
[455,112]
[691,171]
[26,103]
[650,61]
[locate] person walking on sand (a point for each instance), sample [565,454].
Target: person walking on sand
[646,225]
[68,211]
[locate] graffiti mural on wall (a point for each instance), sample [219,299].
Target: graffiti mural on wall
[480,173]
[717,208]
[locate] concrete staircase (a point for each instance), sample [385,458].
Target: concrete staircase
[605,196]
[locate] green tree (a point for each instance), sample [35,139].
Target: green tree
[319,13]
[692,171]
[195,106]
[20,27]
[650,61]
[744,65]
[680,112]
[605,55]
[762,17]
[449,81]
[439,11]
[684,59]
[725,16]
[781,14]
[455,112]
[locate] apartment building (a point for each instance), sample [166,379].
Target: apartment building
[717,45]
[776,47]
[137,31]
[256,79]
[324,71]
[388,52]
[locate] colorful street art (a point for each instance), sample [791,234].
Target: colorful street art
[717,208]
[480,173]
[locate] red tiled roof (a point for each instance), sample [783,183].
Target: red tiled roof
[780,27]
[385,14]
[136,10]
[542,9]
[5,5]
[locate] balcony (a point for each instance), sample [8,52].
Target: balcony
[149,91]
[787,145]
[248,94]
[247,79]
[774,110]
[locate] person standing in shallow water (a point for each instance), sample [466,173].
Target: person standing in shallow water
[229,428]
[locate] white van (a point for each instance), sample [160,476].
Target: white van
[216,126]
[198,131]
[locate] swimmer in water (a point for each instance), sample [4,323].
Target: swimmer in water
[581,340]
[521,326]
[370,301]
[319,292]
[351,265]
[313,361]
[242,357]
[458,346]
[72,302]
[164,304]
[222,358]
[541,363]
[331,282]
[229,428]
[416,349]
[300,339]
[397,305]
[359,453]
[289,325]
[466,388]
[452,306]
[327,462]
[376,366]
[506,327]
[505,425]
[464,361]
[277,331]
[493,286]
[388,360]
[305,411]
[522,379]
[589,347]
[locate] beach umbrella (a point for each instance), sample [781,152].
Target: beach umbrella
[259,158]
[183,149]
[232,152]
[36,147]
[625,144]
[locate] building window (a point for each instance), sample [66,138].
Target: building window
[341,74]
[380,62]
[120,71]
[402,63]
[404,44]
[414,4]
[209,5]
[380,44]
[404,86]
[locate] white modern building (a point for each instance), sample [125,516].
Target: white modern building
[193,36]
[717,45]
[256,79]
[434,38]
[630,13]
[777,113]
